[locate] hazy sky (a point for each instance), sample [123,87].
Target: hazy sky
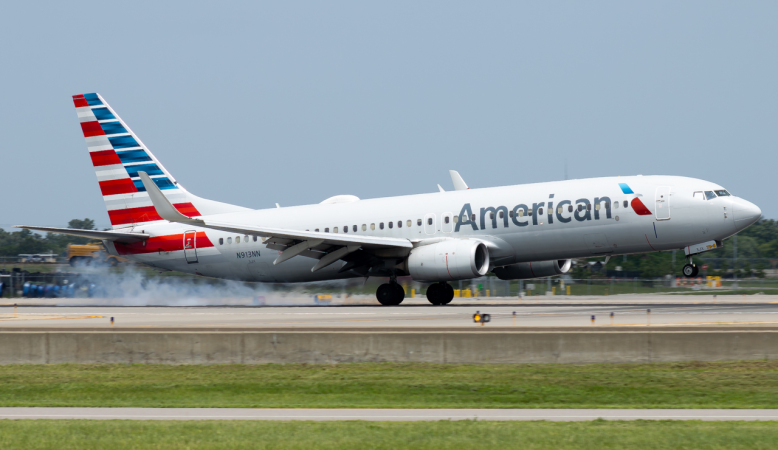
[292,102]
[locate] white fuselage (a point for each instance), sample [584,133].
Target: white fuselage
[677,218]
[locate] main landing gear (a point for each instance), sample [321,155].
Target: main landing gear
[440,293]
[690,270]
[390,294]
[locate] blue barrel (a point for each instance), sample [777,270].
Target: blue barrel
[71,290]
[33,290]
[1,289]
[56,290]
[40,291]
[26,289]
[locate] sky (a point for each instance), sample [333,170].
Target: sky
[254,103]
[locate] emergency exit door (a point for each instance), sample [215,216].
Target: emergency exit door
[190,246]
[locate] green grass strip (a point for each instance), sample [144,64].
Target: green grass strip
[752,384]
[117,435]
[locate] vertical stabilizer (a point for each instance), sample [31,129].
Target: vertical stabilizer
[118,155]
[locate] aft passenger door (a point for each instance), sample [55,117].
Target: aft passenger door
[190,247]
[663,203]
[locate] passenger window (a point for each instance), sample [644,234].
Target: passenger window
[418,222]
[625,203]
[615,205]
[540,211]
[570,208]
[429,221]
[529,213]
[409,223]
[597,206]
[456,219]
[345,229]
[709,195]
[580,208]
[510,214]
[372,226]
[491,216]
[237,240]
[326,230]
[472,218]
[255,238]
[391,224]
[354,228]
[607,205]
[445,219]
[589,207]
[399,224]
[521,213]
[364,227]
[335,230]
[246,239]
[381,225]
[221,241]
[559,210]
[316,230]
[229,240]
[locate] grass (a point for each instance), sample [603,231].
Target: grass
[383,385]
[82,434]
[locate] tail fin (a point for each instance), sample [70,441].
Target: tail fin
[118,155]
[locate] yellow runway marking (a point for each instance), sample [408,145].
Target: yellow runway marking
[44,317]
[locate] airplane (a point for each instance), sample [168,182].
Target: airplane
[515,232]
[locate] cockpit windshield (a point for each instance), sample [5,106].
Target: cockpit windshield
[722,193]
[709,195]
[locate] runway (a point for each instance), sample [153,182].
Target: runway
[393,415]
[623,312]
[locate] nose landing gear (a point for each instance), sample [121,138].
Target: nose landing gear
[440,293]
[690,270]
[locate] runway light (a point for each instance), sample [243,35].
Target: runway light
[481,318]
[514,318]
[612,318]
[592,319]
[111,321]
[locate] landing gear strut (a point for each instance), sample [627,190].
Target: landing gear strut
[690,270]
[390,294]
[440,293]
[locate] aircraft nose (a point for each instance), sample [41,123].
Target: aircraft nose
[745,213]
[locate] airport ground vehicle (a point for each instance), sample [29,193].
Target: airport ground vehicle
[91,254]
[516,232]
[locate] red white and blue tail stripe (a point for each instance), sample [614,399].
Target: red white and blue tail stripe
[117,156]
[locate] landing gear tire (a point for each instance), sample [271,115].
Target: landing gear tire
[690,271]
[440,294]
[390,294]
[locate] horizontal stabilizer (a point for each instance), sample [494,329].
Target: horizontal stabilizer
[93,234]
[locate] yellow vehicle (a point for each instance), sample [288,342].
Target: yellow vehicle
[92,253]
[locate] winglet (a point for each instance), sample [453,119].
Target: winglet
[459,183]
[440,188]
[163,206]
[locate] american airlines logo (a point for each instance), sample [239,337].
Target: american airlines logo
[565,211]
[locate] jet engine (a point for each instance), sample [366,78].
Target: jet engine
[523,271]
[455,259]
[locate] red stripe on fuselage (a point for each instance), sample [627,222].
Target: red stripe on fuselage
[639,207]
[105,158]
[121,186]
[92,129]
[147,214]
[80,101]
[171,243]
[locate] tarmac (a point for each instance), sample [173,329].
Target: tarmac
[623,312]
[393,415]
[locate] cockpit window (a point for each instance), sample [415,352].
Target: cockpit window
[709,195]
[722,193]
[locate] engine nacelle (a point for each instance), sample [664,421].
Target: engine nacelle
[455,259]
[523,271]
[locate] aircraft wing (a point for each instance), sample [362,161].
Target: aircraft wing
[115,236]
[326,247]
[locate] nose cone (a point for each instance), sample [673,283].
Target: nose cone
[745,213]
